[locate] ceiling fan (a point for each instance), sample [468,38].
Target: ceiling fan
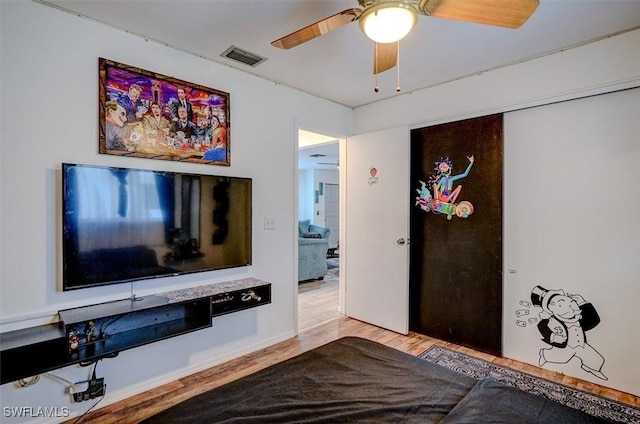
[386,21]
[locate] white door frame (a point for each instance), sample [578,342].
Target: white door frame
[342,180]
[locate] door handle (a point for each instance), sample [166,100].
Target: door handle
[400,241]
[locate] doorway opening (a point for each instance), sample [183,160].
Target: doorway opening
[318,229]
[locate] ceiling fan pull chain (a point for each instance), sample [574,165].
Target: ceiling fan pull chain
[375,59]
[398,66]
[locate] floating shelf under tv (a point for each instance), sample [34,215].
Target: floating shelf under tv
[103,330]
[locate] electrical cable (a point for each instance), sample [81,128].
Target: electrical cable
[104,393]
[72,386]
[93,361]
[81,417]
[106,325]
[57,377]
[26,383]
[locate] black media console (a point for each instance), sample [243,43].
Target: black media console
[100,331]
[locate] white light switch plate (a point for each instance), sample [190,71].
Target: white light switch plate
[269,223]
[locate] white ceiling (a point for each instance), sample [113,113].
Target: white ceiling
[317,151]
[319,156]
[338,66]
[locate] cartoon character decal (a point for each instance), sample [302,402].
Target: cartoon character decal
[373,175]
[443,196]
[563,322]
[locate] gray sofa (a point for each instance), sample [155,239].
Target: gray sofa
[313,244]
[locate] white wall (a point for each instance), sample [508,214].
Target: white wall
[571,204]
[324,176]
[305,194]
[50,115]
[308,182]
[570,186]
[599,67]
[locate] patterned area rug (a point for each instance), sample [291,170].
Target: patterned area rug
[577,399]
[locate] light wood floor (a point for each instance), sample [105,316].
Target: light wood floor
[134,409]
[317,303]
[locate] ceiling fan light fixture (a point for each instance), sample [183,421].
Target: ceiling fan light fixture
[388,22]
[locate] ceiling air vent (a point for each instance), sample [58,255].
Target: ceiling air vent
[243,56]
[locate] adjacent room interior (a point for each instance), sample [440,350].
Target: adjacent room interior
[319,204]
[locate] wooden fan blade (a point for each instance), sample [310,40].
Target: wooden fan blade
[502,13]
[317,29]
[384,56]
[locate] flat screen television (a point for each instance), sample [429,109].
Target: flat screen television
[122,225]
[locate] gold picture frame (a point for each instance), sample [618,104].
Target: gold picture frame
[150,115]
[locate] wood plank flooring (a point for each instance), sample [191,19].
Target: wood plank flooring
[138,407]
[317,303]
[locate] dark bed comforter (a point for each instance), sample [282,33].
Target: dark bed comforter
[353,380]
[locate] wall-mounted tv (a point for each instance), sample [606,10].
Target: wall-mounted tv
[122,224]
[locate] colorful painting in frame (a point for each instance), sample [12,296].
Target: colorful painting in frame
[149,115]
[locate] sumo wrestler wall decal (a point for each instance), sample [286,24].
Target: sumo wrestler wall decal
[563,322]
[438,195]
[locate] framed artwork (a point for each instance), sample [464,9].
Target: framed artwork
[149,115]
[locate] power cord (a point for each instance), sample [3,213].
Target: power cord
[93,374]
[104,326]
[73,387]
[104,393]
[26,383]
[81,417]
[93,361]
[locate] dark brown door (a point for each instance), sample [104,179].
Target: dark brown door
[456,233]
